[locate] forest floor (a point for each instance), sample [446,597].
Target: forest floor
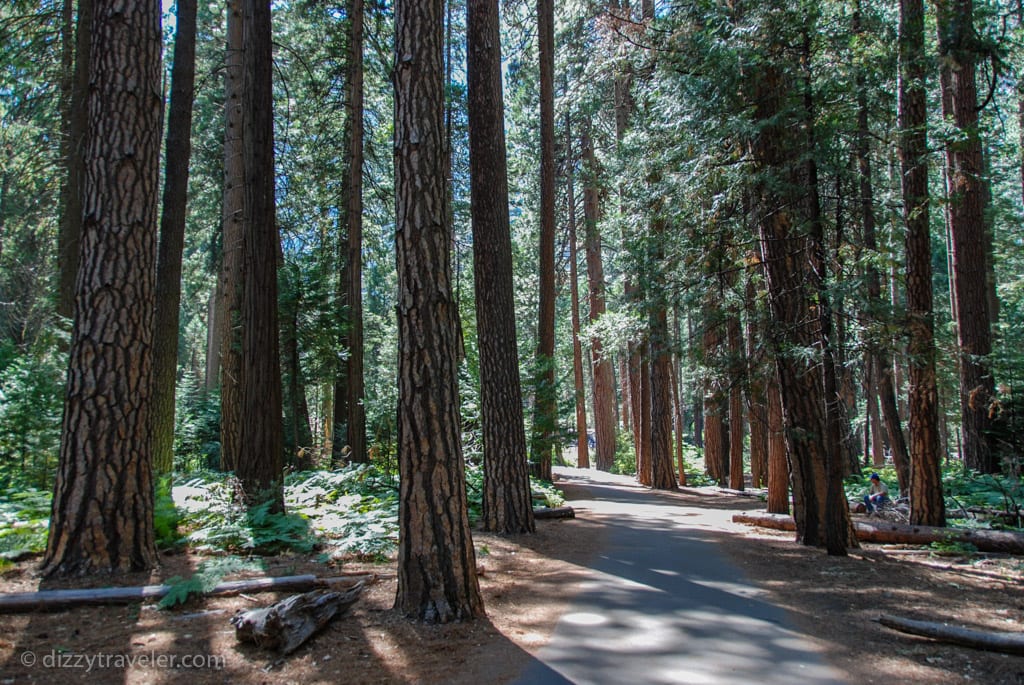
[527,583]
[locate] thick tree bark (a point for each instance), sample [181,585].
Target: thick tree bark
[172,237]
[232,216]
[437,580]
[603,375]
[102,512]
[927,502]
[507,506]
[545,415]
[785,256]
[73,148]
[260,471]
[958,48]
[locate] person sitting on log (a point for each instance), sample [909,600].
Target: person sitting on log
[878,494]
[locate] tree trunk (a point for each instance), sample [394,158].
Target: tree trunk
[232,216]
[260,471]
[73,147]
[603,376]
[213,327]
[172,237]
[838,533]
[757,409]
[102,511]
[644,462]
[661,373]
[927,503]
[353,192]
[1009,643]
[582,443]
[545,418]
[784,254]
[716,409]
[958,48]
[778,465]
[298,436]
[437,580]
[507,507]
[734,336]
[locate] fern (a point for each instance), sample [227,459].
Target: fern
[209,574]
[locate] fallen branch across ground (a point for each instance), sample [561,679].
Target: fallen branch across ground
[1009,643]
[55,600]
[554,513]
[894,533]
[287,624]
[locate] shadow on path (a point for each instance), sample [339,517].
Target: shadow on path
[661,605]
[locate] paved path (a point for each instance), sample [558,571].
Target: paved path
[662,605]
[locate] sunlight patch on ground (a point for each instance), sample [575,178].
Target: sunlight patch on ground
[584,618]
[737,589]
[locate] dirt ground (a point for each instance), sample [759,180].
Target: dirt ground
[527,582]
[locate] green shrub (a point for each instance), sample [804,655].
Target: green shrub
[625,455]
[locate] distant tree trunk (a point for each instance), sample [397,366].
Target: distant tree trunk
[507,504]
[545,419]
[661,373]
[644,456]
[105,524]
[927,506]
[582,444]
[778,464]
[604,379]
[716,410]
[172,237]
[958,47]
[298,436]
[624,414]
[353,191]
[757,411]
[260,471]
[349,415]
[873,422]
[879,357]
[73,145]
[232,216]
[679,422]
[437,580]
[734,338]
[213,314]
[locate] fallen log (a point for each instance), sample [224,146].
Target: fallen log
[56,600]
[1009,643]
[554,513]
[895,533]
[287,624]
